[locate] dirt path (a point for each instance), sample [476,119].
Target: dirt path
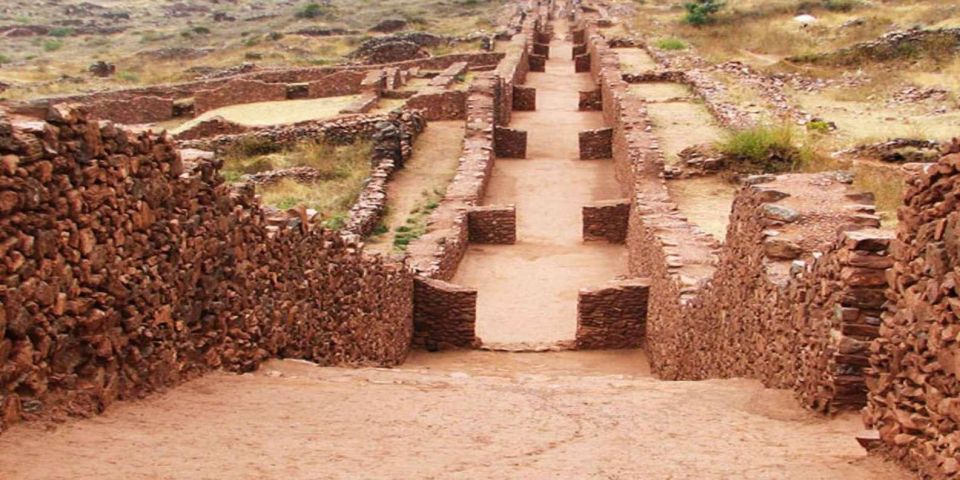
[429,169]
[471,415]
[528,292]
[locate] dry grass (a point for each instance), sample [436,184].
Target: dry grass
[261,35]
[344,170]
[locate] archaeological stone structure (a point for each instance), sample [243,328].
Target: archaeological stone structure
[130,265]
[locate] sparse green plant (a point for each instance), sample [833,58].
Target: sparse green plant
[336,221]
[670,44]
[313,10]
[818,126]
[60,32]
[4,59]
[841,5]
[201,30]
[128,76]
[765,149]
[274,36]
[701,12]
[52,45]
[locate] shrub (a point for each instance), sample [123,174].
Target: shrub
[764,149]
[313,10]
[128,76]
[201,30]
[818,126]
[670,44]
[701,12]
[60,32]
[52,45]
[841,5]
[4,59]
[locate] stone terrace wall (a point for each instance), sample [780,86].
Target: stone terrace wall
[392,147]
[127,272]
[237,92]
[339,131]
[440,104]
[794,310]
[914,399]
[280,76]
[606,220]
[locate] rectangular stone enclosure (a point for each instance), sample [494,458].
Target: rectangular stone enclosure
[613,316]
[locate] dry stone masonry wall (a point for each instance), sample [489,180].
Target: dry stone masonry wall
[794,310]
[128,271]
[914,376]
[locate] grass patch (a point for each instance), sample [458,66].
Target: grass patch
[60,32]
[343,172]
[670,44]
[766,149]
[52,45]
[416,224]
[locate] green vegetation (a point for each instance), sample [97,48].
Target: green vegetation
[128,76]
[342,173]
[313,10]
[670,44]
[201,30]
[4,59]
[841,5]
[60,32]
[416,224]
[766,149]
[52,45]
[818,126]
[701,12]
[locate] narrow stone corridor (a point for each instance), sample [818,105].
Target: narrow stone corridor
[527,292]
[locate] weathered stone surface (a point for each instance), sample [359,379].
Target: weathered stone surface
[494,224]
[606,220]
[613,316]
[596,144]
[131,270]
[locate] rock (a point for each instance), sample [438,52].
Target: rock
[389,25]
[780,213]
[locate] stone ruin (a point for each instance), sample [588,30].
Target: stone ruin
[130,266]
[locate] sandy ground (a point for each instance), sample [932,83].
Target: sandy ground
[471,415]
[432,165]
[527,296]
[705,201]
[274,113]
[635,60]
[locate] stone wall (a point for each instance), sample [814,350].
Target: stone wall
[338,131]
[495,224]
[612,316]
[792,298]
[211,127]
[606,220]
[392,147]
[142,109]
[510,143]
[444,316]
[914,399]
[336,84]
[524,98]
[129,271]
[590,101]
[596,144]
[237,92]
[440,104]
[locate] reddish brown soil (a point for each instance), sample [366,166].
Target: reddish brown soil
[471,415]
[527,296]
